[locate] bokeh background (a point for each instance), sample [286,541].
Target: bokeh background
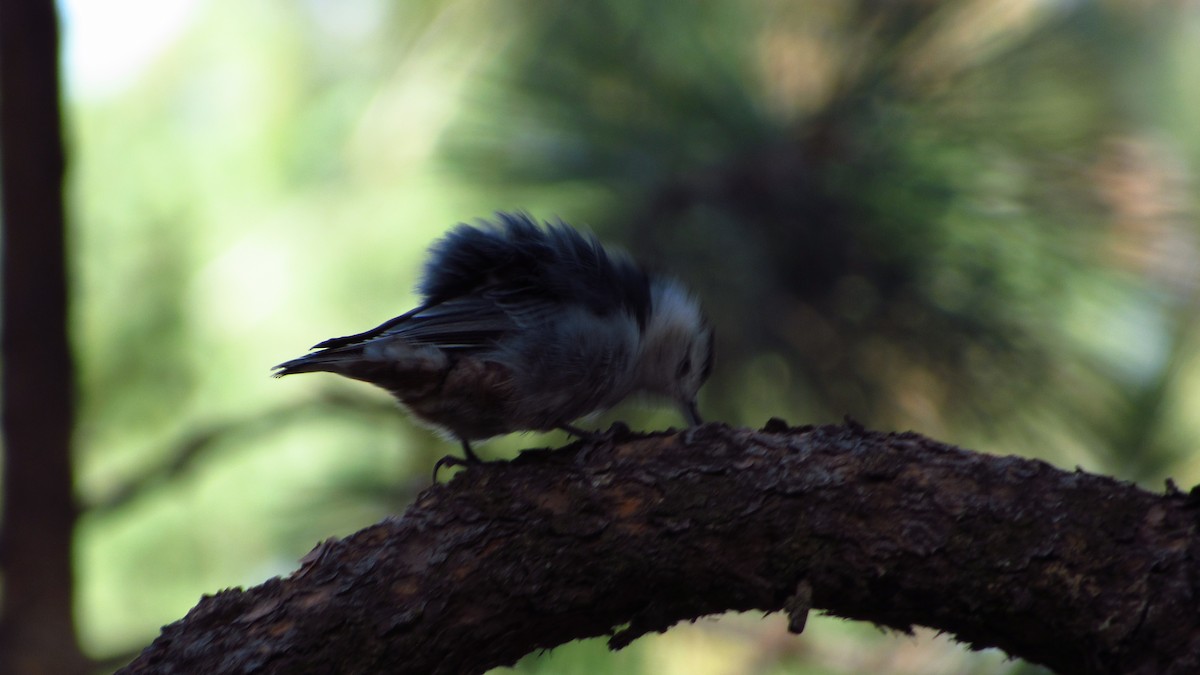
[976,219]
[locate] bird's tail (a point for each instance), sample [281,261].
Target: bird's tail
[327,360]
[391,363]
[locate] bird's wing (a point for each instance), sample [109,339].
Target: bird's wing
[368,334]
[466,322]
[460,323]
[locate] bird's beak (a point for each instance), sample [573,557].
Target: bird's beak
[691,412]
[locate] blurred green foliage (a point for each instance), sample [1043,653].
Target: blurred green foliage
[975,219]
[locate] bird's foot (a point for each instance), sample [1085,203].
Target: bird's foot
[454,460]
[469,457]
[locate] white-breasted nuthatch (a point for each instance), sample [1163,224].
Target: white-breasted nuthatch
[527,328]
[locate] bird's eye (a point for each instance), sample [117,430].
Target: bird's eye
[685,367]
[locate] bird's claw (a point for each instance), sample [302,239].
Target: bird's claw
[451,460]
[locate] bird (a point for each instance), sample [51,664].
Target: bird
[527,326]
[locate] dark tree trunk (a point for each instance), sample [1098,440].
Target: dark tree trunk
[37,632]
[1082,573]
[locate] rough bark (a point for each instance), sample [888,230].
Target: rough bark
[625,535]
[36,629]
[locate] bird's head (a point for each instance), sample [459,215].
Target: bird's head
[676,348]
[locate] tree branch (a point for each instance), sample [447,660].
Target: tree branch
[627,534]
